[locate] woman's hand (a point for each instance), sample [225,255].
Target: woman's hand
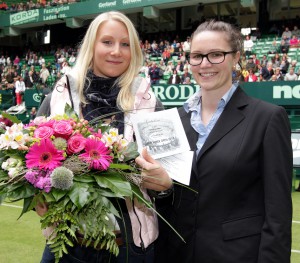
[154,175]
[41,209]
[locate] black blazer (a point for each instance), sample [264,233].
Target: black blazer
[243,211]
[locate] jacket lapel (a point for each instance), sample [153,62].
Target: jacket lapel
[231,117]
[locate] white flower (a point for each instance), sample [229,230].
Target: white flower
[12,172]
[13,137]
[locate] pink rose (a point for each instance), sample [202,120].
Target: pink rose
[43,132]
[76,144]
[49,123]
[62,129]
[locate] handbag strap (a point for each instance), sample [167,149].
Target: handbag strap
[69,90]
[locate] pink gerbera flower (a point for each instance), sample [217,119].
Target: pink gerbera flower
[96,154]
[44,155]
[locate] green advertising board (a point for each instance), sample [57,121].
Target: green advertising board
[284,93]
[75,10]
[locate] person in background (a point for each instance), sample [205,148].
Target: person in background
[174,78]
[33,113]
[248,45]
[291,75]
[242,166]
[103,81]
[19,89]
[44,73]
[251,77]
[154,73]
[264,61]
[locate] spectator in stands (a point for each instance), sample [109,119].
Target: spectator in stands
[251,77]
[276,60]
[294,42]
[29,80]
[278,74]
[154,73]
[169,68]
[284,65]
[8,61]
[187,45]
[291,75]
[30,60]
[72,59]
[19,89]
[10,75]
[293,64]
[187,81]
[16,61]
[251,64]
[162,65]
[242,166]
[101,87]
[264,61]
[185,74]
[286,33]
[2,60]
[274,48]
[284,45]
[33,113]
[273,78]
[296,32]
[44,74]
[166,55]
[182,58]
[243,61]
[248,45]
[264,72]
[174,78]
[41,61]
[179,66]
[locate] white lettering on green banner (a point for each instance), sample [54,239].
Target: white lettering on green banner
[24,17]
[107,4]
[286,92]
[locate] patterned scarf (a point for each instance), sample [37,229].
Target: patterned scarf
[101,96]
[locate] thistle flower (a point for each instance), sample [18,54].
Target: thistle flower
[62,178]
[60,143]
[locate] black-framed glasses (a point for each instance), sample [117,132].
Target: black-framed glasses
[215,57]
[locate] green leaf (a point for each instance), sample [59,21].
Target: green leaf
[14,119]
[58,194]
[115,183]
[69,111]
[131,151]
[84,178]
[79,194]
[26,205]
[20,191]
[121,166]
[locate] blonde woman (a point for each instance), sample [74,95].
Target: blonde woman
[105,80]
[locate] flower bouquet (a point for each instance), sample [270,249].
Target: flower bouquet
[74,169]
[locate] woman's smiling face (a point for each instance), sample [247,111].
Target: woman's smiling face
[213,76]
[112,49]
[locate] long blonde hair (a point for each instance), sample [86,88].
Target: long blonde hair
[84,60]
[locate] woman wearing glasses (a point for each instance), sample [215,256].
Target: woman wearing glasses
[242,166]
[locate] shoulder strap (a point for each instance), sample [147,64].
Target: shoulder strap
[67,85]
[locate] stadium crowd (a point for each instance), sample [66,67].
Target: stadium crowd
[166,62]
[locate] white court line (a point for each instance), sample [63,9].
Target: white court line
[15,206]
[296,222]
[295,251]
